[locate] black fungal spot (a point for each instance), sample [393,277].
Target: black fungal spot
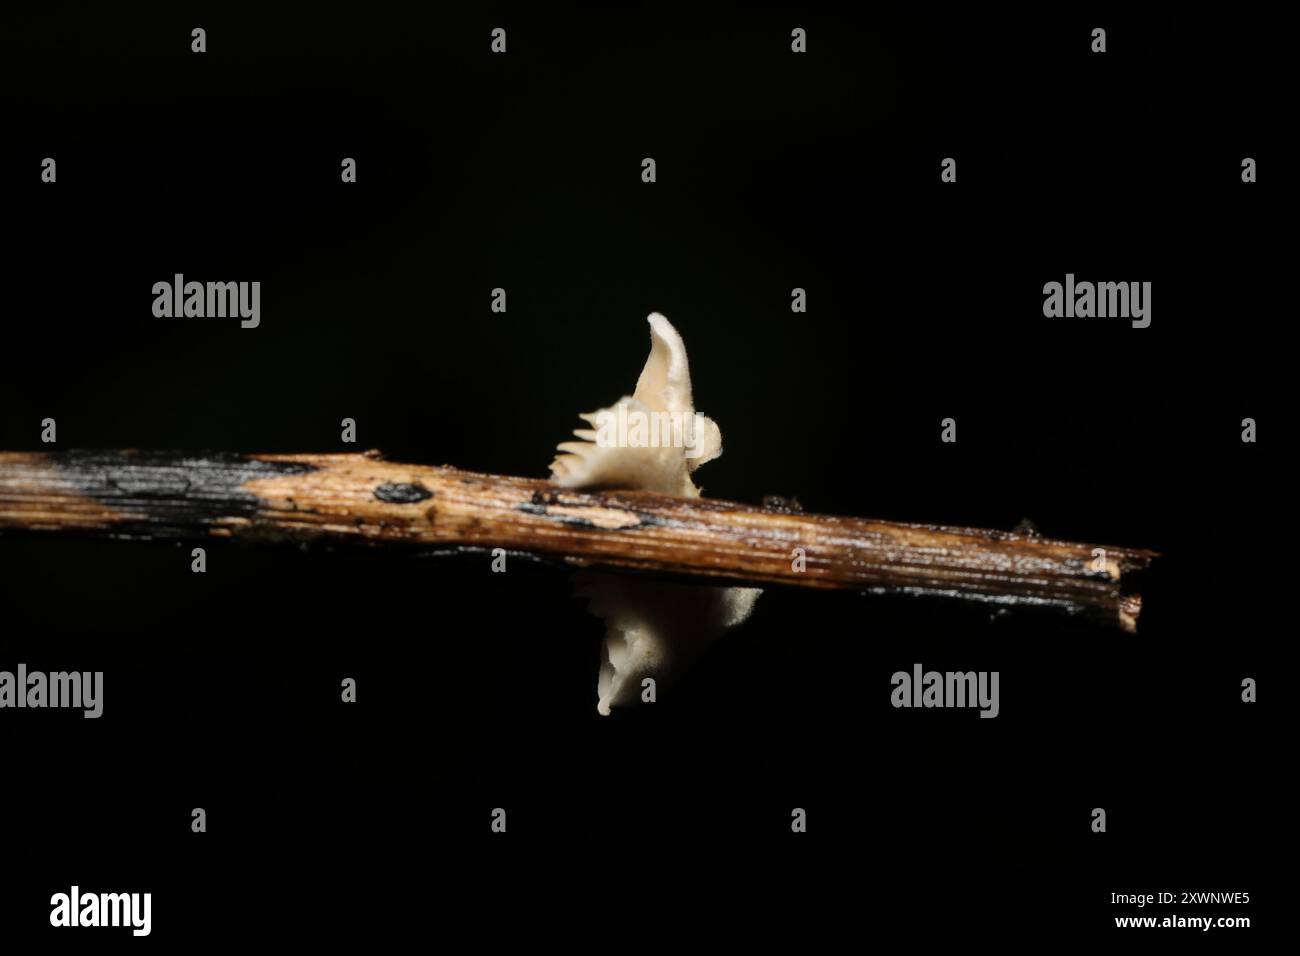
[574,521]
[403,494]
[537,504]
[175,491]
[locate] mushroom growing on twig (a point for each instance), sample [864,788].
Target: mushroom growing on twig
[651,440]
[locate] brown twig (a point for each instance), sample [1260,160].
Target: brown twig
[363,498]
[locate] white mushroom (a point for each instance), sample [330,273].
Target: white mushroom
[651,440]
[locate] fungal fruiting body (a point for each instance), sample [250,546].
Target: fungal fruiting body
[651,440]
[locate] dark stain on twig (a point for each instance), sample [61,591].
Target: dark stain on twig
[407,494]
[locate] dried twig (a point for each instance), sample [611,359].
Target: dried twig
[365,499]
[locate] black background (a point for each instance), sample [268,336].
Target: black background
[477,690]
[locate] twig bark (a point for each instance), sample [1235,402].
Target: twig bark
[364,499]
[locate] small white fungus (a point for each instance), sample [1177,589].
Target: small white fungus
[653,628]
